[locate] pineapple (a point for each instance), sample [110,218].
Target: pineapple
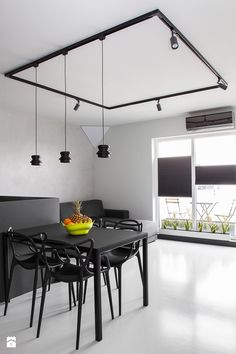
[77,215]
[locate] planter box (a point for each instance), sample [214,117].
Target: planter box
[197,234]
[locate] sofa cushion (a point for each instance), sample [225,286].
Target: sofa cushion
[93,208]
[66,210]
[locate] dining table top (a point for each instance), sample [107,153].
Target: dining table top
[105,239]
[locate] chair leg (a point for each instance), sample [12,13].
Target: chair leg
[109,293]
[79,313]
[49,283]
[115,272]
[9,287]
[45,280]
[34,296]
[140,265]
[119,288]
[69,293]
[104,278]
[85,290]
[41,272]
[73,293]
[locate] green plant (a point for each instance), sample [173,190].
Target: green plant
[165,223]
[200,226]
[225,226]
[213,227]
[187,224]
[175,224]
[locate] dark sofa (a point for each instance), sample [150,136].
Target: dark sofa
[94,209]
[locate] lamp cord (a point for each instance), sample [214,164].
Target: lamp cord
[65,79]
[36,112]
[102,97]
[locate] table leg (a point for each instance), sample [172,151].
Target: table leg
[97,296]
[145,272]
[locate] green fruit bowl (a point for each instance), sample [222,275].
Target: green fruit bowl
[82,228]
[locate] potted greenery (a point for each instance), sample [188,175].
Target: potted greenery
[225,227]
[213,227]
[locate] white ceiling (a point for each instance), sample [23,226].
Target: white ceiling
[138,62]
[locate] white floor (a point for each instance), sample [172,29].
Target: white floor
[192,309]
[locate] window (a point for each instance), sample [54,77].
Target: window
[206,199]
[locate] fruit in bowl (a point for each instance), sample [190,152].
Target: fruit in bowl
[78,224]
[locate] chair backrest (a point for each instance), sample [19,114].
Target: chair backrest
[132,225]
[129,224]
[62,251]
[24,246]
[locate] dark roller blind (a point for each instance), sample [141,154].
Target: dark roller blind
[215,174]
[174,176]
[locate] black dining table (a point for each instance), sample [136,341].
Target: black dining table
[104,240]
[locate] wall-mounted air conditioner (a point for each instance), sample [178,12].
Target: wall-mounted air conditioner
[213,120]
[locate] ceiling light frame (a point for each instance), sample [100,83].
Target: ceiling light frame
[221,83]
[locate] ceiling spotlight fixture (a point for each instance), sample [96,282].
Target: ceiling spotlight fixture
[103,150]
[65,155]
[158,106]
[176,35]
[76,107]
[35,159]
[173,40]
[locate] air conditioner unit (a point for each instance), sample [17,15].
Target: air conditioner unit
[213,120]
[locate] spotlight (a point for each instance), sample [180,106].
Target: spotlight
[77,106]
[174,41]
[222,84]
[158,106]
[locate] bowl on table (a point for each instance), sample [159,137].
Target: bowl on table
[81,228]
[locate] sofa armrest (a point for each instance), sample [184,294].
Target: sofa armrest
[116,213]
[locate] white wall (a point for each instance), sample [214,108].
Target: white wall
[125,180]
[17,177]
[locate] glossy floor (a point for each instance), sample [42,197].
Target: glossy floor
[192,309]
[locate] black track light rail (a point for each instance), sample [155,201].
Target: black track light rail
[221,83]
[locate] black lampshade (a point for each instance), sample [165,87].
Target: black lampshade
[65,156]
[103,151]
[35,160]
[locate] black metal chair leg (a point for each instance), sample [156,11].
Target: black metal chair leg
[73,293]
[85,290]
[119,288]
[104,278]
[41,272]
[109,293]
[79,313]
[140,265]
[115,272]
[9,288]
[34,296]
[45,280]
[49,283]
[69,293]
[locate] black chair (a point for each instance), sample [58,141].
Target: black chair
[119,256]
[70,273]
[27,253]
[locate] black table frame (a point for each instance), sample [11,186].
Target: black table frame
[104,240]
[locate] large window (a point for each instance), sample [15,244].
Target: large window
[197,184]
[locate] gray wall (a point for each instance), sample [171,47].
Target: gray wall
[52,178]
[125,180]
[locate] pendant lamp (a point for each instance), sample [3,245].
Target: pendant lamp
[103,149]
[65,155]
[35,159]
